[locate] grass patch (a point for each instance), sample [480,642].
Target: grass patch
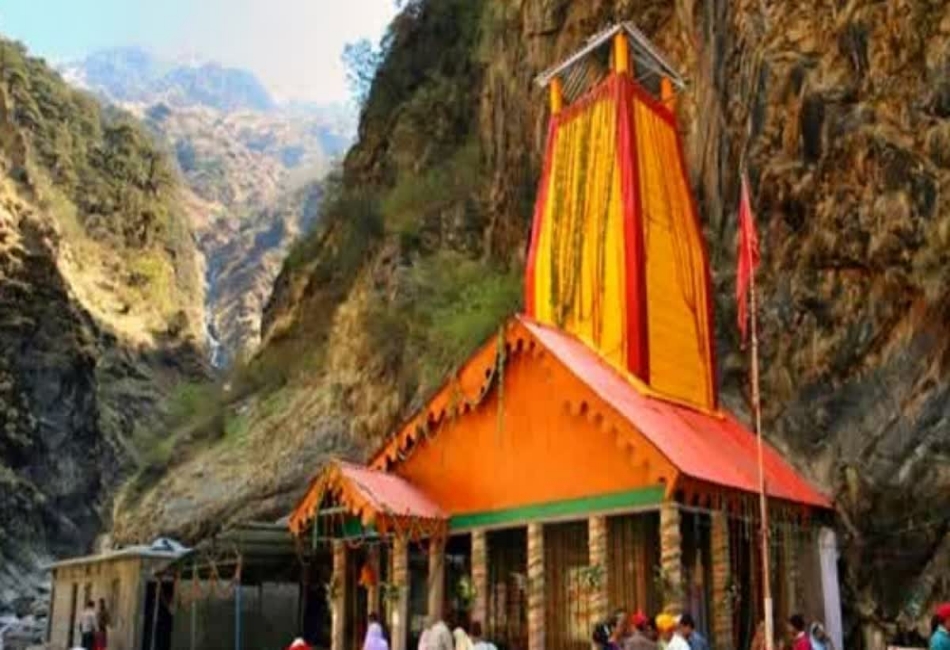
[449,305]
[406,207]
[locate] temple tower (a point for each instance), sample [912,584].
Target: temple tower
[617,256]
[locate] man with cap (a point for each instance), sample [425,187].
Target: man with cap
[638,639]
[941,636]
[670,636]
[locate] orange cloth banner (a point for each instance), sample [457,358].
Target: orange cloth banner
[617,257]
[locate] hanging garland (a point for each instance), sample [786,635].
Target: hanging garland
[501,354]
[466,592]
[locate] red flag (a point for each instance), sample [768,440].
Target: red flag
[747,256]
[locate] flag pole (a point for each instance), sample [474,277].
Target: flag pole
[757,410]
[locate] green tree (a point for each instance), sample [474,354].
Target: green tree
[361,60]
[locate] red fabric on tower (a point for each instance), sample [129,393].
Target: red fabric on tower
[747,256]
[638,353]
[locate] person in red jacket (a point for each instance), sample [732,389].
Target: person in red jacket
[796,627]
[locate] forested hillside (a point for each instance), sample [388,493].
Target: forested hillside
[842,114]
[100,311]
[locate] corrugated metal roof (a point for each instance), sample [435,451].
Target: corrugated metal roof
[161,549]
[714,448]
[390,494]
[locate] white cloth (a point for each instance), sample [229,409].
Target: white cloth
[439,637]
[87,621]
[462,641]
[677,643]
[484,645]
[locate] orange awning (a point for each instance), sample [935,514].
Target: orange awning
[385,501]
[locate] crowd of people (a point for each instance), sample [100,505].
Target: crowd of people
[631,632]
[641,632]
[435,636]
[669,632]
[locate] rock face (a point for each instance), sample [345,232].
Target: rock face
[840,113]
[100,314]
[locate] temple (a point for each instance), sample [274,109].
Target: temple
[580,460]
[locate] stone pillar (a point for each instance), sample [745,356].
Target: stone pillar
[597,547]
[338,597]
[436,590]
[480,577]
[372,591]
[721,581]
[535,586]
[399,605]
[671,557]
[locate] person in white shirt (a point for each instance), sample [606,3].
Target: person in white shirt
[88,623]
[439,637]
[478,642]
[673,635]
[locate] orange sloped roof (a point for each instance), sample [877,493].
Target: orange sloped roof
[374,496]
[709,447]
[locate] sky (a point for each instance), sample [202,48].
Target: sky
[293,46]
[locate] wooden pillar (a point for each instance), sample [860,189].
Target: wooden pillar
[372,590]
[721,582]
[671,557]
[399,605]
[790,552]
[535,586]
[667,94]
[621,53]
[338,597]
[557,95]
[436,590]
[597,548]
[480,577]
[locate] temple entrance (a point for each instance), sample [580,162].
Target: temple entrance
[746,563]
[355,613]
[418,591]
[568,580]
[507,624]
[695,529]
[458,580]
[632,558]
[157,633]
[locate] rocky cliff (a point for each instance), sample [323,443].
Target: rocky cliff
[253,166]
[100,312]
[840,111]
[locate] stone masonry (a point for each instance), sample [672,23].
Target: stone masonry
[721,572]
[480,576]
[671,557]
[535,586]
[597,543]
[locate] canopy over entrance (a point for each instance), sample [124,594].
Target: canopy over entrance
[385,502]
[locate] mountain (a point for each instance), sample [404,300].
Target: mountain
[131,74]
[841,114]
[242,155]
[101,312]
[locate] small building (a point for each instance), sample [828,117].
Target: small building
[581,459]
[123,578]
[250,586]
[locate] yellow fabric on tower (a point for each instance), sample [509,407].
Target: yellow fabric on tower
[677,301]
[579,269]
